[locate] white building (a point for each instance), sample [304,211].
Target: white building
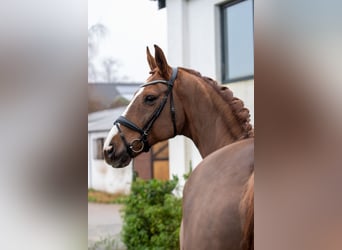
[215,38]
[102,176]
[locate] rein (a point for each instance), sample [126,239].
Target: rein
[141,144]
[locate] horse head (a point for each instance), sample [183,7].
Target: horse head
[149,118]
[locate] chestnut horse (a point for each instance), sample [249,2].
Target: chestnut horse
[218,196]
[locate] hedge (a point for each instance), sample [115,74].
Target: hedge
[152,216]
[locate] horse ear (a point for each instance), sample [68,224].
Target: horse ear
[161,62]
[150,59]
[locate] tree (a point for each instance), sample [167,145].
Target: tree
[95,34]
[100,69]
[110,68]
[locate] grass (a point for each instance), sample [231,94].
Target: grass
[107,243]
[103,197]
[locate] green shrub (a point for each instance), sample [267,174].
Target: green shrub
[152,216]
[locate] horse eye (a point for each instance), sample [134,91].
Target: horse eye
[150,99]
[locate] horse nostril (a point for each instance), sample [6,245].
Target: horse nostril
[108,150]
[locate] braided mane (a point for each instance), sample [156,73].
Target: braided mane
[240,112]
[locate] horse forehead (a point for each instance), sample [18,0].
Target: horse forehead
[154,75]
[138,93]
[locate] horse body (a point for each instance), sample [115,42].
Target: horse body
[218,124]
[211,212]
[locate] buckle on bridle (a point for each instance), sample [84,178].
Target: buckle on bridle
[137,146]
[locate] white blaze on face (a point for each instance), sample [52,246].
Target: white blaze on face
[133,100]
[110,136]
[114,131]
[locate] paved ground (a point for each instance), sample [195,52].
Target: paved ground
[104,221]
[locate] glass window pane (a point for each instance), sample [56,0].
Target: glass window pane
[239,40]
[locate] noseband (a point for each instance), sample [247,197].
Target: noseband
[141,144]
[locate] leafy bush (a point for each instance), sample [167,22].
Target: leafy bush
[152,216]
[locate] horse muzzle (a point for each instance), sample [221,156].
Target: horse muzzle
[115,155]
[115,160]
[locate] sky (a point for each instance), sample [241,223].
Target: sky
[132,25]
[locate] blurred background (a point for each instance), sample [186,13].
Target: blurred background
[44,76]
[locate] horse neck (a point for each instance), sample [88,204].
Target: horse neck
[209,119]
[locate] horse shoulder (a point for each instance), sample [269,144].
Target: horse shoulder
[236,158]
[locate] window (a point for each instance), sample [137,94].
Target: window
[237,40]
[98,148]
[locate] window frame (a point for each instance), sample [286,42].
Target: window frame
[98,148]
[224,42]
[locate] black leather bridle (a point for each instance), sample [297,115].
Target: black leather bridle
[141,144]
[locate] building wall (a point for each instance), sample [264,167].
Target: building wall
[194,41]
[142,165]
